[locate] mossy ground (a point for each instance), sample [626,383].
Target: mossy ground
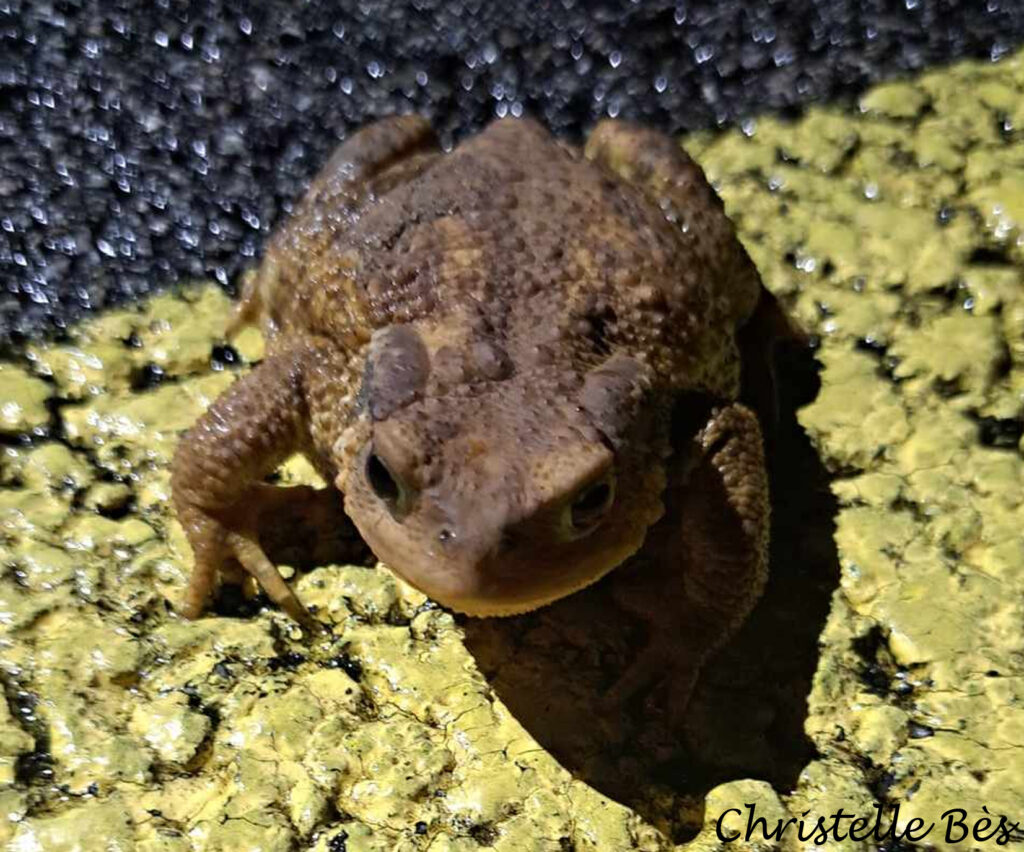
[893,233]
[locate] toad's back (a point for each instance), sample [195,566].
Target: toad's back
[550,251]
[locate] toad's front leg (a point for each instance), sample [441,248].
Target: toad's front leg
[217,471]
[709,561]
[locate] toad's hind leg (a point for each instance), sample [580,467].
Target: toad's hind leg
[370,161]
[366,155]
[767,329]
[708,563]
[217,471]
[656,164]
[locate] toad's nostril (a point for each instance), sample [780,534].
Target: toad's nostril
[381,480]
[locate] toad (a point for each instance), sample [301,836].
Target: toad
[511,360]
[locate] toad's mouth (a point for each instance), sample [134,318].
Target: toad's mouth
[500,583]
[495,606]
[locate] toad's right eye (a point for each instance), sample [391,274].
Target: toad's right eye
[591,505]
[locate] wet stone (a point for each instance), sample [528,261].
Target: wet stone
[22,401]
[895,100]
[108,497]
[170,728]
[14,742]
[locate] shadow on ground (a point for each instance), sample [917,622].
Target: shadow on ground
[746,717]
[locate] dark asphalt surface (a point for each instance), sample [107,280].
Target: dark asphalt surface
[152,141]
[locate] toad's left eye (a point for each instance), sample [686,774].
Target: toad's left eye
[591,504]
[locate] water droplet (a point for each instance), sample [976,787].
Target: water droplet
[703,53]
[782,58]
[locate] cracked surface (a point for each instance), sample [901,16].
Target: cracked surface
[893,233]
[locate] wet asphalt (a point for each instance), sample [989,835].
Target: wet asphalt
[144,142]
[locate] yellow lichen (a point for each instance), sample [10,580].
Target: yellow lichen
[22,401]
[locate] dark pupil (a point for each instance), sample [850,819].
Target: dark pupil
[590,504]
[380,479]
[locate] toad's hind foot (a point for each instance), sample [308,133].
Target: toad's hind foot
[661,662]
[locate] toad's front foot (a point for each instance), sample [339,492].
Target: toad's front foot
[226,546]
[216,479]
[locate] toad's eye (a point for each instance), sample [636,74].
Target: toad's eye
[591,504]
[382,481]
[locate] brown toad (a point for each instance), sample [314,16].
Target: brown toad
[511,359]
